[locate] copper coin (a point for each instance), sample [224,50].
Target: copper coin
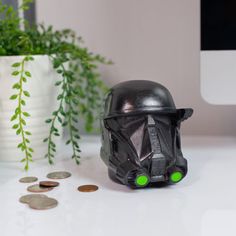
[27,198]
[88,188]
[43,203]
[28,179]
[36,188]
[59,175]
[48,184]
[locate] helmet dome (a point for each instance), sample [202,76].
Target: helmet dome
[140,96]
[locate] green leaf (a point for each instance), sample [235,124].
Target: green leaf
[76,144]
[18,131]
[62,112]
[24,79]
[75,120]
[59,71]
[59,97]
[23,121]
[19,145]
[75,112]
[74,129]
[16,86]
[48,120]
[58,83]
[26,114]
[13,117]
[56,63]
[28,133]
[15,126]
[31,150]
[53,144]
[29,58]
[22,102]
[59,119]
[17,64]
[45,140]
[75,101]
[15,73]
[13,97]
[55,129]
[26,93]
[27,73]
[17,110]
[26,167]
[68,142]
[64,124]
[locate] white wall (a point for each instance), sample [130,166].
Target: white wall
[147,39]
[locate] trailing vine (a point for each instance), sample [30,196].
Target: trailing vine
[20,114]
[69,116]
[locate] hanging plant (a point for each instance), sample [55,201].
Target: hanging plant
[81,88]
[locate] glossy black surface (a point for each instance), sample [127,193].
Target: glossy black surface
[135,96]
[218,25]
[140,133]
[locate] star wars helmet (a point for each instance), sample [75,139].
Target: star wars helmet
[141,135]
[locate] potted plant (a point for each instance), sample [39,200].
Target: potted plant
[47,74]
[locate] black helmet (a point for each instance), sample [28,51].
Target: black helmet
[140,134]
[139,96]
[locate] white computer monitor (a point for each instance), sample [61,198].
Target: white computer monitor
[218,51]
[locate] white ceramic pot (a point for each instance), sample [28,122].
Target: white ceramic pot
[40,105]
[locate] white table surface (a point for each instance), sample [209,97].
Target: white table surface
[204,203]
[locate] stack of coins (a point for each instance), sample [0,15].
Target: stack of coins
[39,201]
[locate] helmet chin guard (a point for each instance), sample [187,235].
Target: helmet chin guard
[140,135]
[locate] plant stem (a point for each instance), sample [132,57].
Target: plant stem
[71,132]
[20,114]
[51,144]
[64,97]
[52,129]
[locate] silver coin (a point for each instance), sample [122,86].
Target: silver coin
[27,198]
[28,179]
[36,188]
[43,203]
[59,175]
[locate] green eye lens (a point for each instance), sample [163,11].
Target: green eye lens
[142,180]
[176,176]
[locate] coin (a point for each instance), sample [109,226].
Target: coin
[27,198]
[88,188]
[58,175]
[43,203]
[36,188]
[28,179]
[48,184]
